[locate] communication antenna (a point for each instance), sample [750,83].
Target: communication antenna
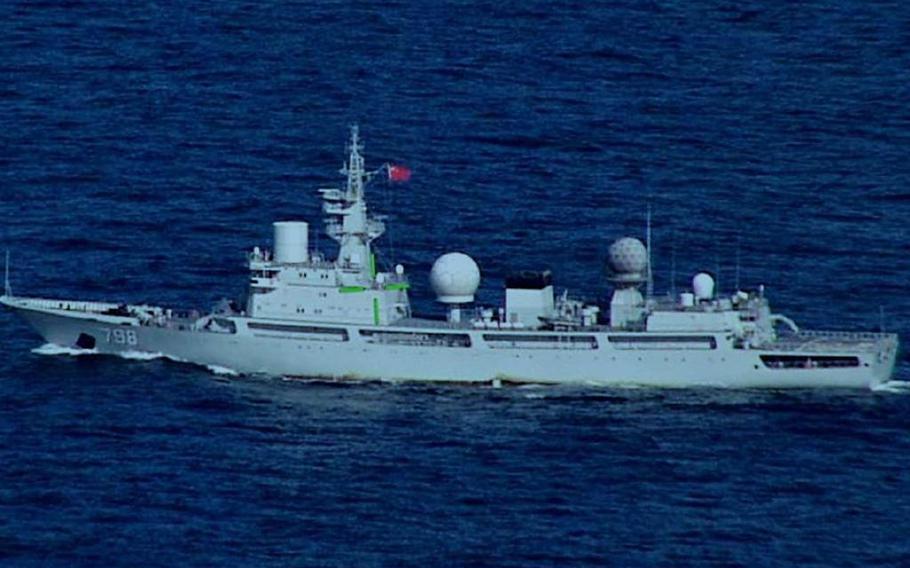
[738,242]
[650,285]
[390,232]
[717,270]
[7,290]
[673,264]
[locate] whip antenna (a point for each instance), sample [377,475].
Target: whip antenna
[7,290]
[738,247]
[650,285]
[673,264]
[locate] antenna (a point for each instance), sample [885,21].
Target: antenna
[389,196]
[717,275]
[738,241]
[673,264]
[7,290]
[650,285]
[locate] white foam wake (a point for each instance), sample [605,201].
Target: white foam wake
[53,349]
[142,355]
[133,355]
[219,370]
[892,387]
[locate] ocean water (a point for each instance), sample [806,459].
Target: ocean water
[144,147]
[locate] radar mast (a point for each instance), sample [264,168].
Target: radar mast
[347,221]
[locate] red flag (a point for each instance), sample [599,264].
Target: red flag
[399,173]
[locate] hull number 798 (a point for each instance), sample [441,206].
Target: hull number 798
[121,336]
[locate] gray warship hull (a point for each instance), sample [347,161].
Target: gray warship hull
[307,315]
[419,350]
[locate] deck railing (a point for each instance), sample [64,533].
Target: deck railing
[813,341]
[69,305]
[852,335]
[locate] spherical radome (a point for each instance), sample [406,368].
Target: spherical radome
[455,278]
[703,286]
[628,256]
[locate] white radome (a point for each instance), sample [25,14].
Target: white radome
[455,278]
[628,256]
[703,286]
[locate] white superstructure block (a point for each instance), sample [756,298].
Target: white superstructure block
[626,308]
[528,306]
[291,241]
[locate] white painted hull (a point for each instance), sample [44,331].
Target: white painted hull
[286,354]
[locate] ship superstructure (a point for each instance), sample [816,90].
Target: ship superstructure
[293,283]
[344,318]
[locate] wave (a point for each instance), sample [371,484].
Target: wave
[224,371]
[132,355]
[142,355]
[54,349]
[896,387]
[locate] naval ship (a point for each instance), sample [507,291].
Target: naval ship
[310,316]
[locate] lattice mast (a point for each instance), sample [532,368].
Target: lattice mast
[347,220]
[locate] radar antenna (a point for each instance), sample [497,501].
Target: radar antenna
[353,169]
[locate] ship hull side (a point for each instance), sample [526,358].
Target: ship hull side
[277,354]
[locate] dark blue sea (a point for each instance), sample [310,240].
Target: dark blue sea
[144,146]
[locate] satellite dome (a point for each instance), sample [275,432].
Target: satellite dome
[628,256]
[703,286]
[455,278]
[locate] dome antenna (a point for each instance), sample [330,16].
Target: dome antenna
[627,262]
[455,278]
